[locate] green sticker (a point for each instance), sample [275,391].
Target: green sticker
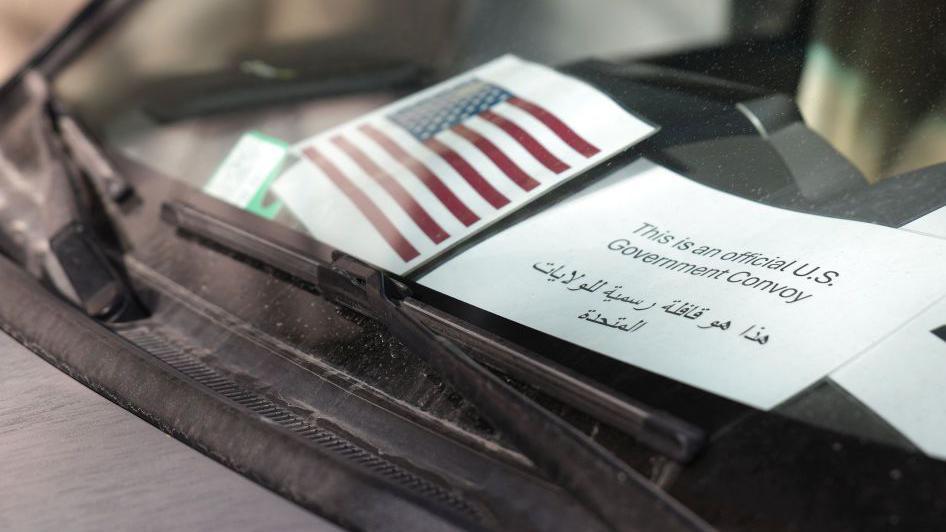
[245,175]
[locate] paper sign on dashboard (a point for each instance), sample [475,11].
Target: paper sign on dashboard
[751,302]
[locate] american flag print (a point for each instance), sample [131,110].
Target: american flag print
[407,182]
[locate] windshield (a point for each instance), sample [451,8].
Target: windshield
[686,141]
[294,68]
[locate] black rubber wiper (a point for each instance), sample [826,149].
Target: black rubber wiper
[617,494]
[620,496]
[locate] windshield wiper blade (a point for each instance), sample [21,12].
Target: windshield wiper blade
[615,492]
[664,433]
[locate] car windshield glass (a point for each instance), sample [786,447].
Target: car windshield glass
[866,80]
[800,107]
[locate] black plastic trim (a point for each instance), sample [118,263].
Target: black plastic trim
[221,428]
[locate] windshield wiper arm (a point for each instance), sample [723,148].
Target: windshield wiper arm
[58,210]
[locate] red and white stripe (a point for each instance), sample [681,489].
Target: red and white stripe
[420,195]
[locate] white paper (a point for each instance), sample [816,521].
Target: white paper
[903,378]
[870,279]
[933,224]
[391,213]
